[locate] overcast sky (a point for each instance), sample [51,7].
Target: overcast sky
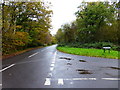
[64,12]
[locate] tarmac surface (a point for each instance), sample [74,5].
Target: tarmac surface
[48,68]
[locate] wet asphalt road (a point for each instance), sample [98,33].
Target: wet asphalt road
[48,68]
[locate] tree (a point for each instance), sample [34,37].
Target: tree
[96,22]
[91,17]
[25,24]
[67,33]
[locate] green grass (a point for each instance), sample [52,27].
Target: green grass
[89,52]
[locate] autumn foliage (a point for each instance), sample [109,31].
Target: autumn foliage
[24,25]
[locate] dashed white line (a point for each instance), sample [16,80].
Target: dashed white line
[54,56]
[52,65]
[7,67]
[44,49]
[111,78]
[60,82]
[80,79]
[53,62]
[33,55]
[84,79]
[92,78]
[50,75]
[51,68]
[75,79]
[47,81]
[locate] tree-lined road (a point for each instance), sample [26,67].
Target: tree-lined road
[48,68]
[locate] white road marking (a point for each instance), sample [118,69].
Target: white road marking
[71,82]
[53,62]
[52,65]
[0,84]
[84,79]
[47,81]
[80,79]
[7,67]
[44,49]
[67,79]
[54,56]
[111,78]
[33,55]
[51,68]
[60,82]
[92,78]
[50,75]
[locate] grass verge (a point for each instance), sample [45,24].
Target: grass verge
[89,52]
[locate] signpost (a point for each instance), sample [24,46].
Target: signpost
[106,48]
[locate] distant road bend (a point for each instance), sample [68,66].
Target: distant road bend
[48,68]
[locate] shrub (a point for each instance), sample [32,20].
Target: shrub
[97,45]
[13,42]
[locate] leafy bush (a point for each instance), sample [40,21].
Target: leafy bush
[21,39]
[13,42]
[97,45]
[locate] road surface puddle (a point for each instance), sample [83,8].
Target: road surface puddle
[115,68]
[82,60]
[82,71]
[69,64]
[111,75]
[66,58]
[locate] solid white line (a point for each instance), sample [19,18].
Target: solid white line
[7,67]
[111,78]
[47,81]
[33,54]
[51,68]
[60,82]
